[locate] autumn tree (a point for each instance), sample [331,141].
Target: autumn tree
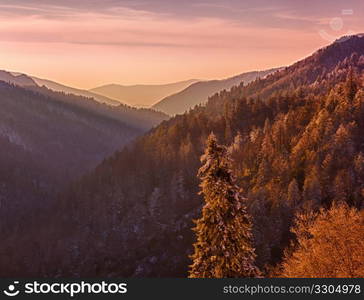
[293,195]
[351,86]
[312,192]
[224,239]
[329,244]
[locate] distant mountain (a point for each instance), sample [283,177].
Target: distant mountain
[71,133]
[18,79]
[140,118]
[141,95]
[57,137]
[50,138]
[347,37]
[198,92]
[296,142]
[70,90]
[299,127]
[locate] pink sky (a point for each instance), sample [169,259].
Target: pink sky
[128,42]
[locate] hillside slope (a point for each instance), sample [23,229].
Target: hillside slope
[70,135]
[63,135]
[18,79]
[296,141]
[141,95]
[199,92]
[140,118]
[47,140]
[55,86]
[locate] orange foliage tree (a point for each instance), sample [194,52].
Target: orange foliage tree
[329,244]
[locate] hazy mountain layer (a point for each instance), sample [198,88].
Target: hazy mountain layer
[141,95]
[140,118]
[18,79]
[292,125]
[132,215]
[71,133]
[199,92]
[70,90]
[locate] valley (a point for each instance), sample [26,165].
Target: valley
[94,189]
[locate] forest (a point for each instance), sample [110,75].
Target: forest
[282,160]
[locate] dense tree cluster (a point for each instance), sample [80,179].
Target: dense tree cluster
[47,140]
[329,244]
[224,239]
[296,146]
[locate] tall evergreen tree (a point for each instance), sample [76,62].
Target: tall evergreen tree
[293,194]
[224,239]
[351,87]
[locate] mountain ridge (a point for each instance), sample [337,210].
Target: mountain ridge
[156,217]
[198,93]
[286,129]
[143,119]
[141,95]
[18,79]
[25,80]
[58,87]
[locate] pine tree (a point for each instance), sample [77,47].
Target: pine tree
[293,194]
[312,192]
[224,239]
[351,87]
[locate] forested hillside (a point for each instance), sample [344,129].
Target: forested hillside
[18,79]
[67,130]
[198,92]
[49,139]
[65,134]
[140,118]
[296,142]
[57,87]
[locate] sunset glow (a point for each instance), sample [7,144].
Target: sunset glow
[89,43]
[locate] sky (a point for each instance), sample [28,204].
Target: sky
[88,43]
